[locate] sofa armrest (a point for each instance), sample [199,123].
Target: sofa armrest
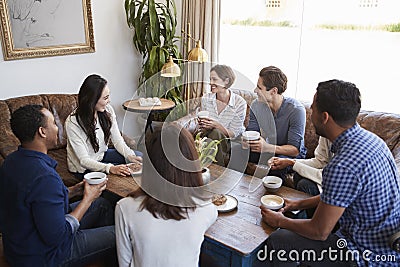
[189,122]
[130,142]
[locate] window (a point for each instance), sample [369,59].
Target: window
[312,41]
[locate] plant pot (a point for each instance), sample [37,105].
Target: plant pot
[205,172]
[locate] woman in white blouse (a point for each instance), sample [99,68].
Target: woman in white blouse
[90,128]
[159,224]
[226,109]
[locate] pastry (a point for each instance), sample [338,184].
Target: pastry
[219,200]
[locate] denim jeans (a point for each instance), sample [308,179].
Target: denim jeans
[114,157]
[307,186]
[95,238]
[110,156]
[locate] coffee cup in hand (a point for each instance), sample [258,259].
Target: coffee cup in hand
[249,136]
[204,114]
[272,202]
[95,177]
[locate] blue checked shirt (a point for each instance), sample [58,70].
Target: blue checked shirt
[362,177]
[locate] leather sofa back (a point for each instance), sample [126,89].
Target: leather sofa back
[61,105]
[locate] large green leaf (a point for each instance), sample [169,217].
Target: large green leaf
[154,37]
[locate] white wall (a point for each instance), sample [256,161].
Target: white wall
[115,59]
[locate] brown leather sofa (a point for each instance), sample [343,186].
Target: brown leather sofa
[61,105]
[385,125]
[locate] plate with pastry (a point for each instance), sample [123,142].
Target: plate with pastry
[225,203]
[136,168]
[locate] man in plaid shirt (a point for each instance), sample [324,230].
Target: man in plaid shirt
[361,191]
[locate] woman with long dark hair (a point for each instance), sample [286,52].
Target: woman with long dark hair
[160,224]
[89,130]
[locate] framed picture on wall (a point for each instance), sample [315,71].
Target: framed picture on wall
[43,28]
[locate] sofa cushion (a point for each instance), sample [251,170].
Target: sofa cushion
[384,125]
[61,106]
[8,141]
[60,155]
[310,136]
[249,97]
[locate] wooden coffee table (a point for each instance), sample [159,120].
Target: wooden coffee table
[236,237]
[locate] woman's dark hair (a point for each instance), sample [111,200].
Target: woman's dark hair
[340,99]
[224,72]
[274,77]
[156,162]
[26,120]
[89,93]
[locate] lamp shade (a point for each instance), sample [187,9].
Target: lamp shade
[198,53]
[170,69]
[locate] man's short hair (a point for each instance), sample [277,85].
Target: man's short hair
[274,77]
[340,99]
[26,120]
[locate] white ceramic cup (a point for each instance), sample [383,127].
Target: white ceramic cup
[95,177]
[272,183]
[204,114]
[272,202]
[249,136]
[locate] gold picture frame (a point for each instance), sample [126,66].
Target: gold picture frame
[39,28]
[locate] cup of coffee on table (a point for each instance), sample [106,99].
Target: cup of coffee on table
[95,177]
[272,202]
[249,136]
[272,183]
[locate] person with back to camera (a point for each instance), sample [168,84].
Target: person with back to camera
[39,227]
[151,232]
[90,128]
[272,109]
[227,110]
[360,190]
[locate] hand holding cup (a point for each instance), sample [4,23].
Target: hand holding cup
[248,136]
[95,183]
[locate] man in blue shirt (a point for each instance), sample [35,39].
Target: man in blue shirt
[360,190]
[280,120]
[38,225]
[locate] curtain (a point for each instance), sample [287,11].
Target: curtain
[201,18]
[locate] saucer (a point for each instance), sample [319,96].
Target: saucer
[230,204]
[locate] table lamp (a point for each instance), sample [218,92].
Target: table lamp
[197,54]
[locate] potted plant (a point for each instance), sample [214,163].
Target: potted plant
[154,25]
[207,150]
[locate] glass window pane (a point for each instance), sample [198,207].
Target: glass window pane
[312,41]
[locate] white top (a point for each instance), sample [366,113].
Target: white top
[312,168]
[80,153]
[232,116]
[143,240]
